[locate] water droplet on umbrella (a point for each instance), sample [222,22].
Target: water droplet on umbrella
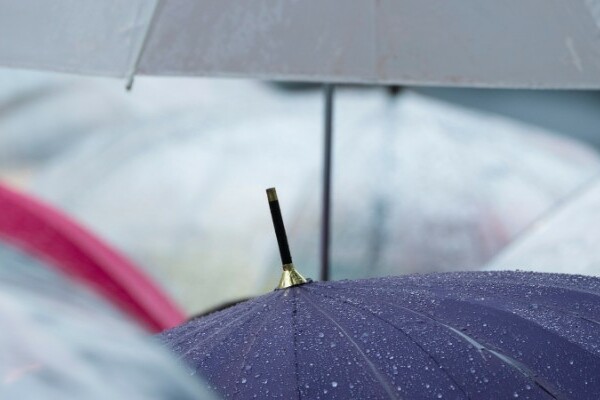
[334,384]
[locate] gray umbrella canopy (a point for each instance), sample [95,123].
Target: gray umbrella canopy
[512,43]
[564,240]
[61,342]
[435,186]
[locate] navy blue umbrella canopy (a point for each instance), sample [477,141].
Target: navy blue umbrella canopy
[467,335]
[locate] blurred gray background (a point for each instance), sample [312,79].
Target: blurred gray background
[173,173]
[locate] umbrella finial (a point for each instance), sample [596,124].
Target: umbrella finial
[289,277]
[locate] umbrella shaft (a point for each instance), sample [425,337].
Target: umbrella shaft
[326,201]
[282,242]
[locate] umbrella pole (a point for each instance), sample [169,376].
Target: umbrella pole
[289,277]
[326,200]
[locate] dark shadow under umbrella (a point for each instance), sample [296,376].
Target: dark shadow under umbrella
[489,335]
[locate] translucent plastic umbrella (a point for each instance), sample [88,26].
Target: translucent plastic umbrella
[565,239]
[43,115]
[65,246]
[435,186]
[60,342]
[524,43]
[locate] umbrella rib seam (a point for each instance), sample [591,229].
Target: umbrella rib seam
[518,365]
[556,309]
[217,332]
[527,284]
[553,308]
[193,333]
[405,334]
[495,295]
[245,354]
[137,56]
[511,362]
[216,317]
[384,383]
[294,330]
[533,285]
[490,280]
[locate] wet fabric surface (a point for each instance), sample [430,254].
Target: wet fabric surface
[465,335]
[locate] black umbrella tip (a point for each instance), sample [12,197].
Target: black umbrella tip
[272,194]
[290,276]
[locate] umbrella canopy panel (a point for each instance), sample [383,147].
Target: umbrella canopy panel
[455,335]
[563,240]
[514,43]
[59,341]
[419,185]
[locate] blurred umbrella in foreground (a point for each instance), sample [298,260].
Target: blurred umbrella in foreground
[461,335]
[441,187]
[563,240]
[61,244]
[60,342]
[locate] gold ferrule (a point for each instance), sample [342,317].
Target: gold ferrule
[288,267]
[272,195]
[290,277]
